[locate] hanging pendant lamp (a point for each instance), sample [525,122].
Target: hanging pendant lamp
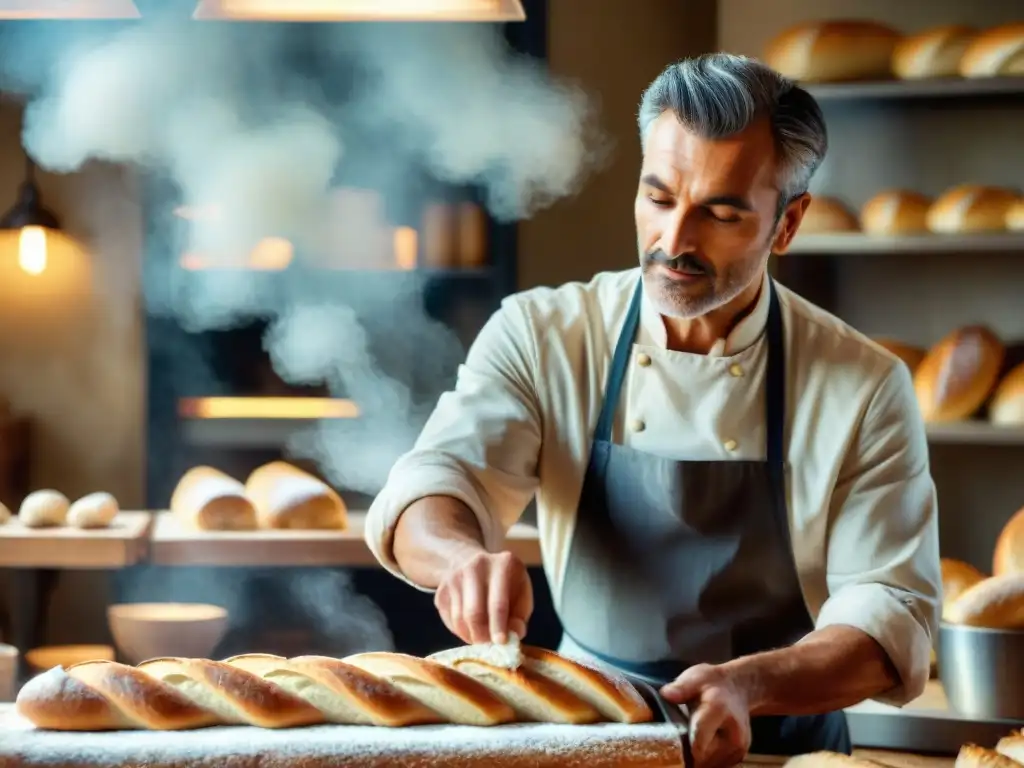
[361,10]
[33,222]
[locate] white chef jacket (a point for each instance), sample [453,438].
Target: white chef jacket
[861,500]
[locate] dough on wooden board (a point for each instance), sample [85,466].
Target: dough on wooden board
[97,510]
[44,509]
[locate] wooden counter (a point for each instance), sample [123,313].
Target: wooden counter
[174,544]
[124,543]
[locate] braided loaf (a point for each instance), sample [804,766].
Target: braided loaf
[384,689]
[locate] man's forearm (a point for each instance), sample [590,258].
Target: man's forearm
[431,535]
[830,669]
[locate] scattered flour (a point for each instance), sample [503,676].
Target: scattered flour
[338,746]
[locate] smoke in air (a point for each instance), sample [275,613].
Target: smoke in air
[258,122]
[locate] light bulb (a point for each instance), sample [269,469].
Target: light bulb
[32,250]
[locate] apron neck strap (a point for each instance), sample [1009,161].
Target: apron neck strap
[775,380]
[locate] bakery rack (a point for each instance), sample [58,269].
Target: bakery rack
[940,88]
[858,243]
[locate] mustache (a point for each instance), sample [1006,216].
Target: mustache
[684,262]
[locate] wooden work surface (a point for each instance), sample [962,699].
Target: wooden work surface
[175,544]
[124,543]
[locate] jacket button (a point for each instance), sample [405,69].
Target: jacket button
[637,425]
[736,370]
[730,445]
[644,359]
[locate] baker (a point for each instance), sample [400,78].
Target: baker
[733,490]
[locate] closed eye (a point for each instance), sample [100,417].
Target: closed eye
[724,215]
[661,202]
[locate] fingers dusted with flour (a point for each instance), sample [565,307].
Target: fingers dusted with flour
[486,597]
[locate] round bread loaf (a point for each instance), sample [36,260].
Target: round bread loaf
[910,355]
[896,212]
[1015,216]
[5,514]
[44,509]
[1006,408]
[973,756]
[994,603]
[827,215]
[957,375]
[97,510]
[207,499]
[957,578]
[832,51]
[994,52]
[934,52]
[287,497]
[971,208]
[1008,556]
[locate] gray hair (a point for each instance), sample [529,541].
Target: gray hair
[719,94]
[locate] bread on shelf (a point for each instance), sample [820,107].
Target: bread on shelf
[827,215]
[896,212]
[957,578]
[285,496]
[971,208]
[44,509]
[1006,408]
[5,514]
[1015,216]
[96,510]
[995,52]
[389,689]
[911,356]
[993,603]
[973,756]
[1012,746]
[958,374]
[934,52]
[1008,556]
[208,499]
[833,51]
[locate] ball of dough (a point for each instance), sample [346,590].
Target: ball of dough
[44,509]
[97,510]
[5,513]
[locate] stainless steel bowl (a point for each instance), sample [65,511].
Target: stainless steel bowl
[981,670]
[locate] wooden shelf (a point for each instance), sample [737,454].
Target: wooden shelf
[974,433]
[242,433]
[123,544]
[824,245]
[174,544]
[940,88]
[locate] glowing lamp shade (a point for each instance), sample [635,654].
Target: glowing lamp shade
[68,9]
[33,222]
[362,10]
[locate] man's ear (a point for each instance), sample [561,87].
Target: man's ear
[789,223]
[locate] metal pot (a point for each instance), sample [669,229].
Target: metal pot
[981,670]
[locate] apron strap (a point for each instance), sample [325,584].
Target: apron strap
[620,364]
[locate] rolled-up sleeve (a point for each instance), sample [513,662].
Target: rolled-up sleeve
[480,444]
[883,553]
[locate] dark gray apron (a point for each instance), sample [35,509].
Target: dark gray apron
[675,563]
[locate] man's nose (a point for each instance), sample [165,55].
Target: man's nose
[679,234]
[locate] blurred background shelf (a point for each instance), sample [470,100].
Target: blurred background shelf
[941,88]
[975,433]
[854,242]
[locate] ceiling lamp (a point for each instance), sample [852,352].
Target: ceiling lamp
[68,9]
[361,10]
[33,222]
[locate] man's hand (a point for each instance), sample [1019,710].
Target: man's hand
[484,597]
[719,714]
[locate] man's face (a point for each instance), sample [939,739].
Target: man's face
[706,215]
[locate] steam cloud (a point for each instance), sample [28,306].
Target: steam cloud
[260,121]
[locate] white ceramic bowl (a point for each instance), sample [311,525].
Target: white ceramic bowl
[151,630]
[48,656]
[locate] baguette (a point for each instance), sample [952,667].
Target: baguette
[286,497]
[998,51]
[266,691]
[993,603]
[207,499]
[973,756]
[935,52]
[835,50]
